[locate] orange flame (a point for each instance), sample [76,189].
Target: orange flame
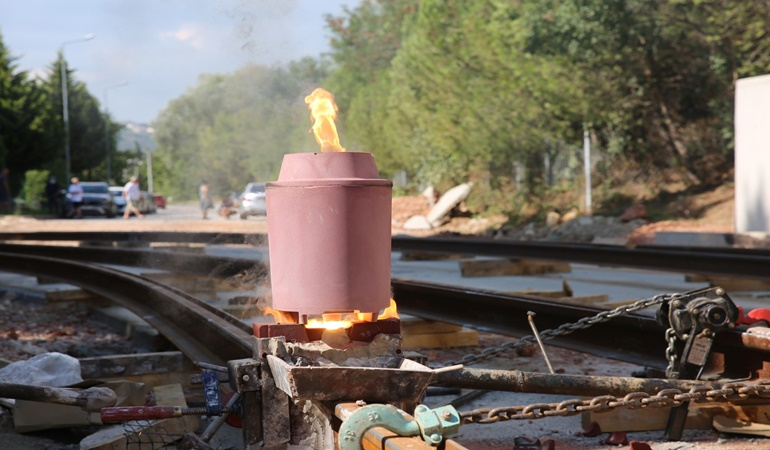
[391,312]
[323,111]
[280,316]
[335,321]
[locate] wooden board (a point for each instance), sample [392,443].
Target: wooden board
[729,283]
[507,267]
[462,338]
[598,299]
[415,325]
[700,417]
[429,256]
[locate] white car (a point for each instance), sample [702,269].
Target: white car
[120,202]
[252,202]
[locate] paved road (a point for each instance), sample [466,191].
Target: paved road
[176,212]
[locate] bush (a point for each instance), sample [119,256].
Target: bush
[34,188]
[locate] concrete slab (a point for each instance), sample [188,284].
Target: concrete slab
[752,155]
[691,239]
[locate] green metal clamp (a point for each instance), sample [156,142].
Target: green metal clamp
[432,424]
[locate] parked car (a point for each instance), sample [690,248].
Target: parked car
[252,202]
[160,201]
[120,202]
[97,200]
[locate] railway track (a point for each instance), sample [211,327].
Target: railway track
[206,334]
[635,338]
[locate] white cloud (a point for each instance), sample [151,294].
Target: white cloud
[189,34]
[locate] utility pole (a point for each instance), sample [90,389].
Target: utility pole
[587,168]
[65,102]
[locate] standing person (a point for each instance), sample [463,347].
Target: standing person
[52,194]
[5,193]
[205,198]
[132,195]
[76,197]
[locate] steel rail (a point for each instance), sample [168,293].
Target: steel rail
[153,259]
[635,338]
[198,330]
[632,338]
[138,236]
[742,263]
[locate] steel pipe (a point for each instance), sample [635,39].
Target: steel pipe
[558,384]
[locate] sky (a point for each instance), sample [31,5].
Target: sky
[145,53]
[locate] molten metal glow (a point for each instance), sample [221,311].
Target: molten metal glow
[336,321]
[323,111]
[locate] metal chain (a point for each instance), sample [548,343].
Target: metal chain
[672,371]
[563,329]
[604,403]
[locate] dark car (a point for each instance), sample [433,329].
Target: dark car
[97,200]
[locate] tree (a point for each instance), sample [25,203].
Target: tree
[234,129]
[86,123]
[26,138]
[658,73]
[364,42]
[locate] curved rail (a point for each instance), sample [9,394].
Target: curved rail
[198,330]
[181,262]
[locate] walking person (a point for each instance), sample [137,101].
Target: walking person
[205,198]
[6,204]
[132,195]
[52,194]
[76,197]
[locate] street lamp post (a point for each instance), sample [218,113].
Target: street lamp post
[107,128]
[65,105]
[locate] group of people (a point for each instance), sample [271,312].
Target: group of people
[226,208]
[131,193]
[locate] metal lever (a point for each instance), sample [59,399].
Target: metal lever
[694,319]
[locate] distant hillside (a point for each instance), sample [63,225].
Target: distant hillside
[134,134]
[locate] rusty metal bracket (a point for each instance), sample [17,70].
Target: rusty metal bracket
[432,424]
[243,375]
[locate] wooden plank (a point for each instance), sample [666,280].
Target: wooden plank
[729,283]
[63,294]
[415,325]
[507,267]
[598,299]
[429,256]
[729,425]
[381,439]
[462,338]
[700,417]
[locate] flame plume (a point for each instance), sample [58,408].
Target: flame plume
[323,111]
